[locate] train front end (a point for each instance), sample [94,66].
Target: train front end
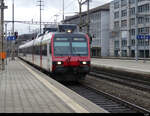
[71,55]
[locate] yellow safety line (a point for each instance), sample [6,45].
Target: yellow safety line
[71,103]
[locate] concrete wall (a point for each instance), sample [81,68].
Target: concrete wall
[111,25]
[105,37]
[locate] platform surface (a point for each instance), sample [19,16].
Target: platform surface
[126,65]
[23,89]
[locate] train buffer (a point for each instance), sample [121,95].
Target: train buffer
[23,89]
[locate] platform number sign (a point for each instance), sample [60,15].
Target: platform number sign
[143,37]
[11,38]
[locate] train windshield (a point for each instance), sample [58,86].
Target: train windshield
[70,46]
[61,47]
[79,47]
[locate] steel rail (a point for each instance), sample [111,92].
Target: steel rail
[119,100]
[129,81]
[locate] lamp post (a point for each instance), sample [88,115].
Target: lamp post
[63,11]
[13,28]
[6,41]
[2,7]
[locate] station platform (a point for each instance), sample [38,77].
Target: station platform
[128,66]
[23,89]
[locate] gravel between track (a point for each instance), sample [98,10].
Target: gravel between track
[129,94]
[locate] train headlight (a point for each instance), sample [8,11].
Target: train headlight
[84,63]
[59,63]
[69,31]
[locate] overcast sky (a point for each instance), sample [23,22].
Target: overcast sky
[26,10]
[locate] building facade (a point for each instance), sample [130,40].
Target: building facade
[123,27]
[99,28]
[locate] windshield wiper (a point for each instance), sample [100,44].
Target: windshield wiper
[59,54]
[77,54]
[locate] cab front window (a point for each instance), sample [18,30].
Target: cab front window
[70,46]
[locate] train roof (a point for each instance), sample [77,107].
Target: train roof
[46,38]
[65,33]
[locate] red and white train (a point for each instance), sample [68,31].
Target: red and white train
[64,54]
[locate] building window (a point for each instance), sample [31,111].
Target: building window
[123,13]
[140,20]
[117,44]
[132,11]
[124,43]
[124,23]
[123,3]
[141,42]
[132,32]
[116,24]
[124,53]
[131,1]
[147,19]
[141,0]
[143,8]
[132,20]
[116,15]
[133,42]
[116,5]
[143,30]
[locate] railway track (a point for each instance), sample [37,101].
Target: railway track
[110,103]
[129,81]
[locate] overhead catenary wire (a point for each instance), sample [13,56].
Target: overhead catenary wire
[65,7]
[40,5]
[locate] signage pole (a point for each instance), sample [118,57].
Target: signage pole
[149,46]
[136,30]
[144,39]
[13,43]
[144,48]
[6,41]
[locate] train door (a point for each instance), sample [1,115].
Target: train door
[49,60]
[33,54]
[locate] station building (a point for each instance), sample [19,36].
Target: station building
[99,28]
[123,27]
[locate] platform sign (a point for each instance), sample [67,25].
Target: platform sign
[143,36]
[11,38]
[2,55]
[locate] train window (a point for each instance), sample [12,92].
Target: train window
[70,46]
[77,44]
[65,44]
[44,50]
[37,50]
[62,48]
[80,48]
[50,48]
